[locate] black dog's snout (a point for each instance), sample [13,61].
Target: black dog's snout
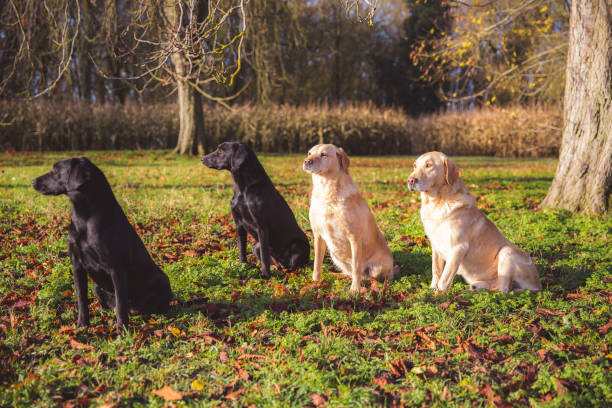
[308,162]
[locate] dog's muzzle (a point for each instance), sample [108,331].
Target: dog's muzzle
[412,181]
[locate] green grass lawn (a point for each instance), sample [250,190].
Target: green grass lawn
[233,339]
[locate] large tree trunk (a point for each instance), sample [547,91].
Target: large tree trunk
[584,174]
[191,116]
[191,120]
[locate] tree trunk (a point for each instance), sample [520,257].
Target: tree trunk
[191,120]
[584,174]
[191,117]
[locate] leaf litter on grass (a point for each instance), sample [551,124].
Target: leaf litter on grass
[233,338]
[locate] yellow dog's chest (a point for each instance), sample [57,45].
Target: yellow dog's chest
[439,237]
[327,221]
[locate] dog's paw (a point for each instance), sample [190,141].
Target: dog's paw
[440,289]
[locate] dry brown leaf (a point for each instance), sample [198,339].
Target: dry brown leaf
[318,400]
[80,346]
[223,357]
[168,393]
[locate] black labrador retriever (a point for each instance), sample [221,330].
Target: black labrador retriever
[103,245]
[260,210]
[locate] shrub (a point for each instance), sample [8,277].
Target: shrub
[360,129]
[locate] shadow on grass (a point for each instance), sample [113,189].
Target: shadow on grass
[568,277]
[374,298]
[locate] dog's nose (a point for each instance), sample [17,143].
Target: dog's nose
[308,162]
[412,180]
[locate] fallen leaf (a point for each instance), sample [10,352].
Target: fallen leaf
[503,339]
[544,310]
[80,346]
[168,394]
[235,395]
[241,372]
[223,357]
[197,385]
[603,330]
[576,296]
[176,332]
[318,400]
[383,379]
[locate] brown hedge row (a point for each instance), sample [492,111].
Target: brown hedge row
[362,130]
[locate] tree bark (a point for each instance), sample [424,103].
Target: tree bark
[583,179]
[191,117]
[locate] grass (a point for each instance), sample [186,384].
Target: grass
[233,339]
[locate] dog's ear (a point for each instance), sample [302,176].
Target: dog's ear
[343,160]
[239,155]
[451,172]
[80,173]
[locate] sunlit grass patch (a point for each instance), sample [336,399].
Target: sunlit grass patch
[232,338]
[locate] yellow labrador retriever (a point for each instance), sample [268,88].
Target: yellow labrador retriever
[341,220]
[462,236]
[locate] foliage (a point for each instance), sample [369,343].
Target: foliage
[500,51]
[407,84]
[235,339]
[361,129]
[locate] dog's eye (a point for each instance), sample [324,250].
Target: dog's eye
[428,165]
[323,155]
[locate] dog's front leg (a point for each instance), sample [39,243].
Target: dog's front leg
[437,265]
[121,298]
[264,248]
[241,233]
[79,276]
[356,264]
[452,266]
[319,253]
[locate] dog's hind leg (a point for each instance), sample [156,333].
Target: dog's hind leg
[488,285]
[256,250]
[106,298]
[516,270]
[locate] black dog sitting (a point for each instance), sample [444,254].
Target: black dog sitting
[259,209]
[103,244]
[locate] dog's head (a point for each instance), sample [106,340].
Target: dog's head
[433,169]
[327,160]
[67,175]
[228,156]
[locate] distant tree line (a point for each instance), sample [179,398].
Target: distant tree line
[421,55]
